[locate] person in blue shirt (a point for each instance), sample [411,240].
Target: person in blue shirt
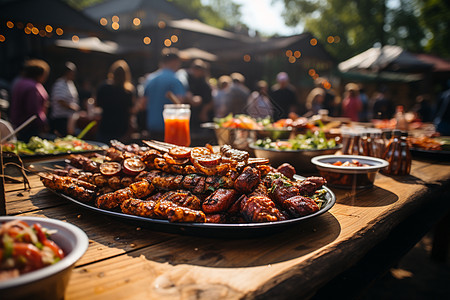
[157,87]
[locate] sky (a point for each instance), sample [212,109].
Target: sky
[265,17]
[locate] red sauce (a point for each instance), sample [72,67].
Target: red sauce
[176,131]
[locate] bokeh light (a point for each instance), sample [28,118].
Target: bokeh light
[147,40]
[59,31]
[326,85]
[35,30]
[42,32]
[315,76]
[297,54]
[247,58]
[29,25]
[2,38]
[313,41]
[311,72]
[337,39]
[27,30]
[330,39]
[167,43]
[115,19]
[161,24]
[174,38]
[103,21]
[10,24]
[48,28]
[292,59]
[75,38]
[115,26]
[136,21]
[288,53]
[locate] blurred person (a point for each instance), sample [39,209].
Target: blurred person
[236,96]
[442,117]
[115,97]
[364,113]
[259,104]
[29,97]
[64,100]
[157,86]
[314,101]
[219,96]
[196,84]
[283,96]
[351,104]
[383,107]
[423,109]
[329,102]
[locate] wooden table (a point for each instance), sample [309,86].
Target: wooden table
[126,261]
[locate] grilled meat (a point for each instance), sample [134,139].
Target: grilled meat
[299,206]
[182,198]
[216,218]
[139,207]
[247,180]
[287,170]
[84,163]
[237,155]
[260,209]
[310,185]
[220,200]
[112,200]
[81,190]
[174,213]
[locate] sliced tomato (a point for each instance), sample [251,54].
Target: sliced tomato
[172,161]
[55,248]
[110,168]
[180,152]
[133,166]
[41,235]
[205,157]
[30,253]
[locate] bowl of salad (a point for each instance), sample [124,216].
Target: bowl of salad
[38,255]
[298,151]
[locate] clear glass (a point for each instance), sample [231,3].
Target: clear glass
[176,124]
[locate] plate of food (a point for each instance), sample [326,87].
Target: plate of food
[193,190]
[38,147]
[430,146]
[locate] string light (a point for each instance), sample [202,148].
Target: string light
[174,38]
[2,38]
[10,24]
[337,39]
[48,28]
[167,43]
[292,59]
[75,38]
[59,31]
[35,30]
[330,39]
[147,40]
[161,24]
[27,30]
[136,21]
[103,21]
[313,42]
[115,25]
[288,53]
[247,58]
[115,19]
[42,32]
[297,54]
[311,72]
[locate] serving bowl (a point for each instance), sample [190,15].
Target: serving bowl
[300,159]
[349,177]
[49,282]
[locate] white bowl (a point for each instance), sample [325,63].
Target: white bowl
[49,282]
[349,177]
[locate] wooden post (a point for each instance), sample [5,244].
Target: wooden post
[2,186]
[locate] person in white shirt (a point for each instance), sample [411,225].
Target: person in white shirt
[64,100]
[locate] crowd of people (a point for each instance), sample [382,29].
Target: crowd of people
[125,108]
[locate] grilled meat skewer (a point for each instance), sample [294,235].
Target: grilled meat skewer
[83,191]
[112,200]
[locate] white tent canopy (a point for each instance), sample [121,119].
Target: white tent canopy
[90,44]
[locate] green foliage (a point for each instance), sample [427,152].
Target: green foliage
[435,17]
[81,4]
[361,24]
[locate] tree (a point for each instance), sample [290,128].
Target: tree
[435,17]
[358,25]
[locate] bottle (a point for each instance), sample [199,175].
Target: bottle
[401,122]
[397,154]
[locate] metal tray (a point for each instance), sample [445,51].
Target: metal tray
[204,229]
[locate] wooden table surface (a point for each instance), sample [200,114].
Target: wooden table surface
[127,261]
